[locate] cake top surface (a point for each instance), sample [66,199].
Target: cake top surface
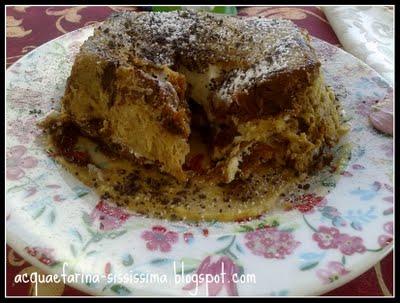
[248,50]
[197,39]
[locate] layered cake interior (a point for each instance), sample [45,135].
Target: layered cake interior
[203,97]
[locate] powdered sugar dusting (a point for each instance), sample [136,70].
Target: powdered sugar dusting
[248,50]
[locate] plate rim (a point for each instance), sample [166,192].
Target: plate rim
[13,241]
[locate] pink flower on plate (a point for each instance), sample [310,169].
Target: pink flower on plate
[216,268]
[16,163]
[271,243]
[332,273]
[327,237]
[307,202]
[109,217]
[385,240]
[349,245]
[44,255]
[159,238]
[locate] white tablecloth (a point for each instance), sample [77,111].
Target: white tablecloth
[367,33]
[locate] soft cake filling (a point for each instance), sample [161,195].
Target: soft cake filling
[294,138]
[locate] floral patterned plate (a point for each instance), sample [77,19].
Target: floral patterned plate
[342,224]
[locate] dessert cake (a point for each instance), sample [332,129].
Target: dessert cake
[151,86]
